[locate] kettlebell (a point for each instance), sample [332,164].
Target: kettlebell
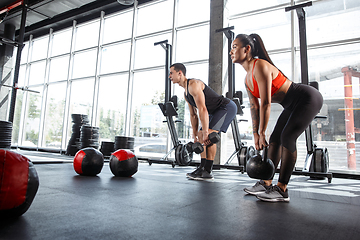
[260,167]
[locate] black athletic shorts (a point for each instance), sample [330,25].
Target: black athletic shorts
[222,117]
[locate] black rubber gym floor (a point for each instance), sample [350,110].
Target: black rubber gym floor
[159,202]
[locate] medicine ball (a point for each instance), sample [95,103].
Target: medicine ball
[19,183]
[123,163]
[88,161]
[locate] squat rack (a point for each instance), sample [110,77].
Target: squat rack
[19,45]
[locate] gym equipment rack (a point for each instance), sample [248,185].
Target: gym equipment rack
[242,152]
[315,156]
[168,108]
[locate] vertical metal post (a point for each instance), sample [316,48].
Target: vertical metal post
[97,73]
[231,70]
[169,118]
[311,147]
[167,67]
[349,117]
[231,89]
[303,46]
[68,89]
[17,63]
[304,64]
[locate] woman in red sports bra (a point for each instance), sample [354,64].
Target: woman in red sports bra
[266,84]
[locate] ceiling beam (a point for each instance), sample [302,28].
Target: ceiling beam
[82,14]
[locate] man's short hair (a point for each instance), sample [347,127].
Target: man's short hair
[179,67]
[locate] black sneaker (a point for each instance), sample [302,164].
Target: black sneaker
[194,173]
[274,194]
[200,174]
[259,187]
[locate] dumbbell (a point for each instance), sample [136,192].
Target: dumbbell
[198,148]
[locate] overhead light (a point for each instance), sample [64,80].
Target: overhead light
[126,2]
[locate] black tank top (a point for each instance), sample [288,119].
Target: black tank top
[212,100]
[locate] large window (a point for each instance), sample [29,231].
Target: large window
[148,91]
[81,98]
[37,73]
[111,113]
[332,36]
[54,117]
[61,42]
[147,55]
[118,27]
[333,20]
[86,37]
[39,49]
[110,70]
[115,58]
[195,47]
[84,64]
[148,22]
[274,27]
[59,69]
[190,12]
[32,118]
[236,7]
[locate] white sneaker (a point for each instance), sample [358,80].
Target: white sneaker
[274,194]
[259,187]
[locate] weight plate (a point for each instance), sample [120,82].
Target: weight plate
[245,154]
[182,156]
[318,160]
[178,157]
[242,157]
[186,156]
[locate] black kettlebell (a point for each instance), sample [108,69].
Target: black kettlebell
[260,167]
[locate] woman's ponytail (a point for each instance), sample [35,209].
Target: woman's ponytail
[257,46]
[260,48]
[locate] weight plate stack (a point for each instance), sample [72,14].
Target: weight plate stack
[107,148]
[80,118]
[5,134]
[319,162]
[74,143]
[89,137]
[182,156]
[124,143]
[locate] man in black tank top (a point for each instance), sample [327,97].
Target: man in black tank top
[214,111]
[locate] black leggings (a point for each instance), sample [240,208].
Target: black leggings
[301,104]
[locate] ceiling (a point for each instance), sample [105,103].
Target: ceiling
[56,14]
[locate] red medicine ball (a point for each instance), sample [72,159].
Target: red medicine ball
[88,161]
[123,163]
[19,183]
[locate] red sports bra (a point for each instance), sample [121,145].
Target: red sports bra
[276,83]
